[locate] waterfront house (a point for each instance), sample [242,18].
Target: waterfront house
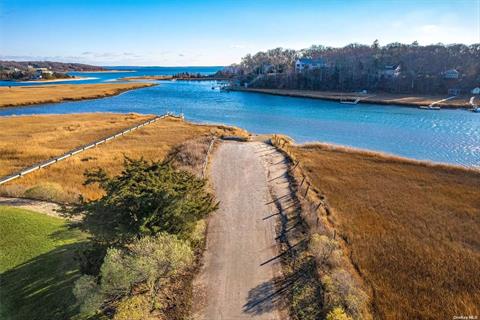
[391,71]
[267,68]
[476,90]
[40,72]
[231,70]
[309,64]
[451,74]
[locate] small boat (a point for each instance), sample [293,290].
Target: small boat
[345,101]
[430,107]
[225,88]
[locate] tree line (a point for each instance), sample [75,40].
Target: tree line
[421,69]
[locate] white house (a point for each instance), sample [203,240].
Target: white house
[391,71]
[476,90]
[451,74]
[309,64]
[39,72]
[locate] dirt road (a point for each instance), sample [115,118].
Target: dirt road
[241,262]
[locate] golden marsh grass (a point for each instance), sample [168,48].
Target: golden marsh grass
[25,140]
[412,228]
[63,181]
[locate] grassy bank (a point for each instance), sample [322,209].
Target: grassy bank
[36,265]
[26,140]
[64,181]
[28,95]
[378,98]
[411,228]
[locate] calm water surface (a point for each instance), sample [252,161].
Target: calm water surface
[450,136]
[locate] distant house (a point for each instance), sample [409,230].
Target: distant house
[267,68]
[391,71]
[476,90]
[231,70]
[40,72]
[44,70]
[309,64]
[451,74]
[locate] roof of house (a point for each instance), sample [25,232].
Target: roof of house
[452,70]
[392,67]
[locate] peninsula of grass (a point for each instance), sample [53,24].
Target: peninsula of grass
[37,266]
[411,228]
[28,95]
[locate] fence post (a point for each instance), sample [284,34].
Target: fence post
[295,166]
[206,157]
[306,191]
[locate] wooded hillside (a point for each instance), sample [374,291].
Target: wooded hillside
[396,68]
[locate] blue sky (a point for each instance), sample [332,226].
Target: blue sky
[189,32]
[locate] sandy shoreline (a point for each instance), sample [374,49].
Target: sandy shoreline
[460,102]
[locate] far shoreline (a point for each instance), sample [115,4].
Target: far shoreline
[413,101]
[172,77]
[104,71]
[58,80]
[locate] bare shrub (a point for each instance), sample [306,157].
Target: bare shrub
[198,234]
[341,289]
[133,308]
[322,247]
[14,191]
[337,259]
[47,191]
[337,313]
[190,155]
[86,291]
[147,262]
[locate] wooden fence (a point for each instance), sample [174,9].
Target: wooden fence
[205,162]
[80,149]
[305,188]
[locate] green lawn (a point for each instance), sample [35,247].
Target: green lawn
[37,266]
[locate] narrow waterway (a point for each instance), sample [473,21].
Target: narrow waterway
[449,136]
